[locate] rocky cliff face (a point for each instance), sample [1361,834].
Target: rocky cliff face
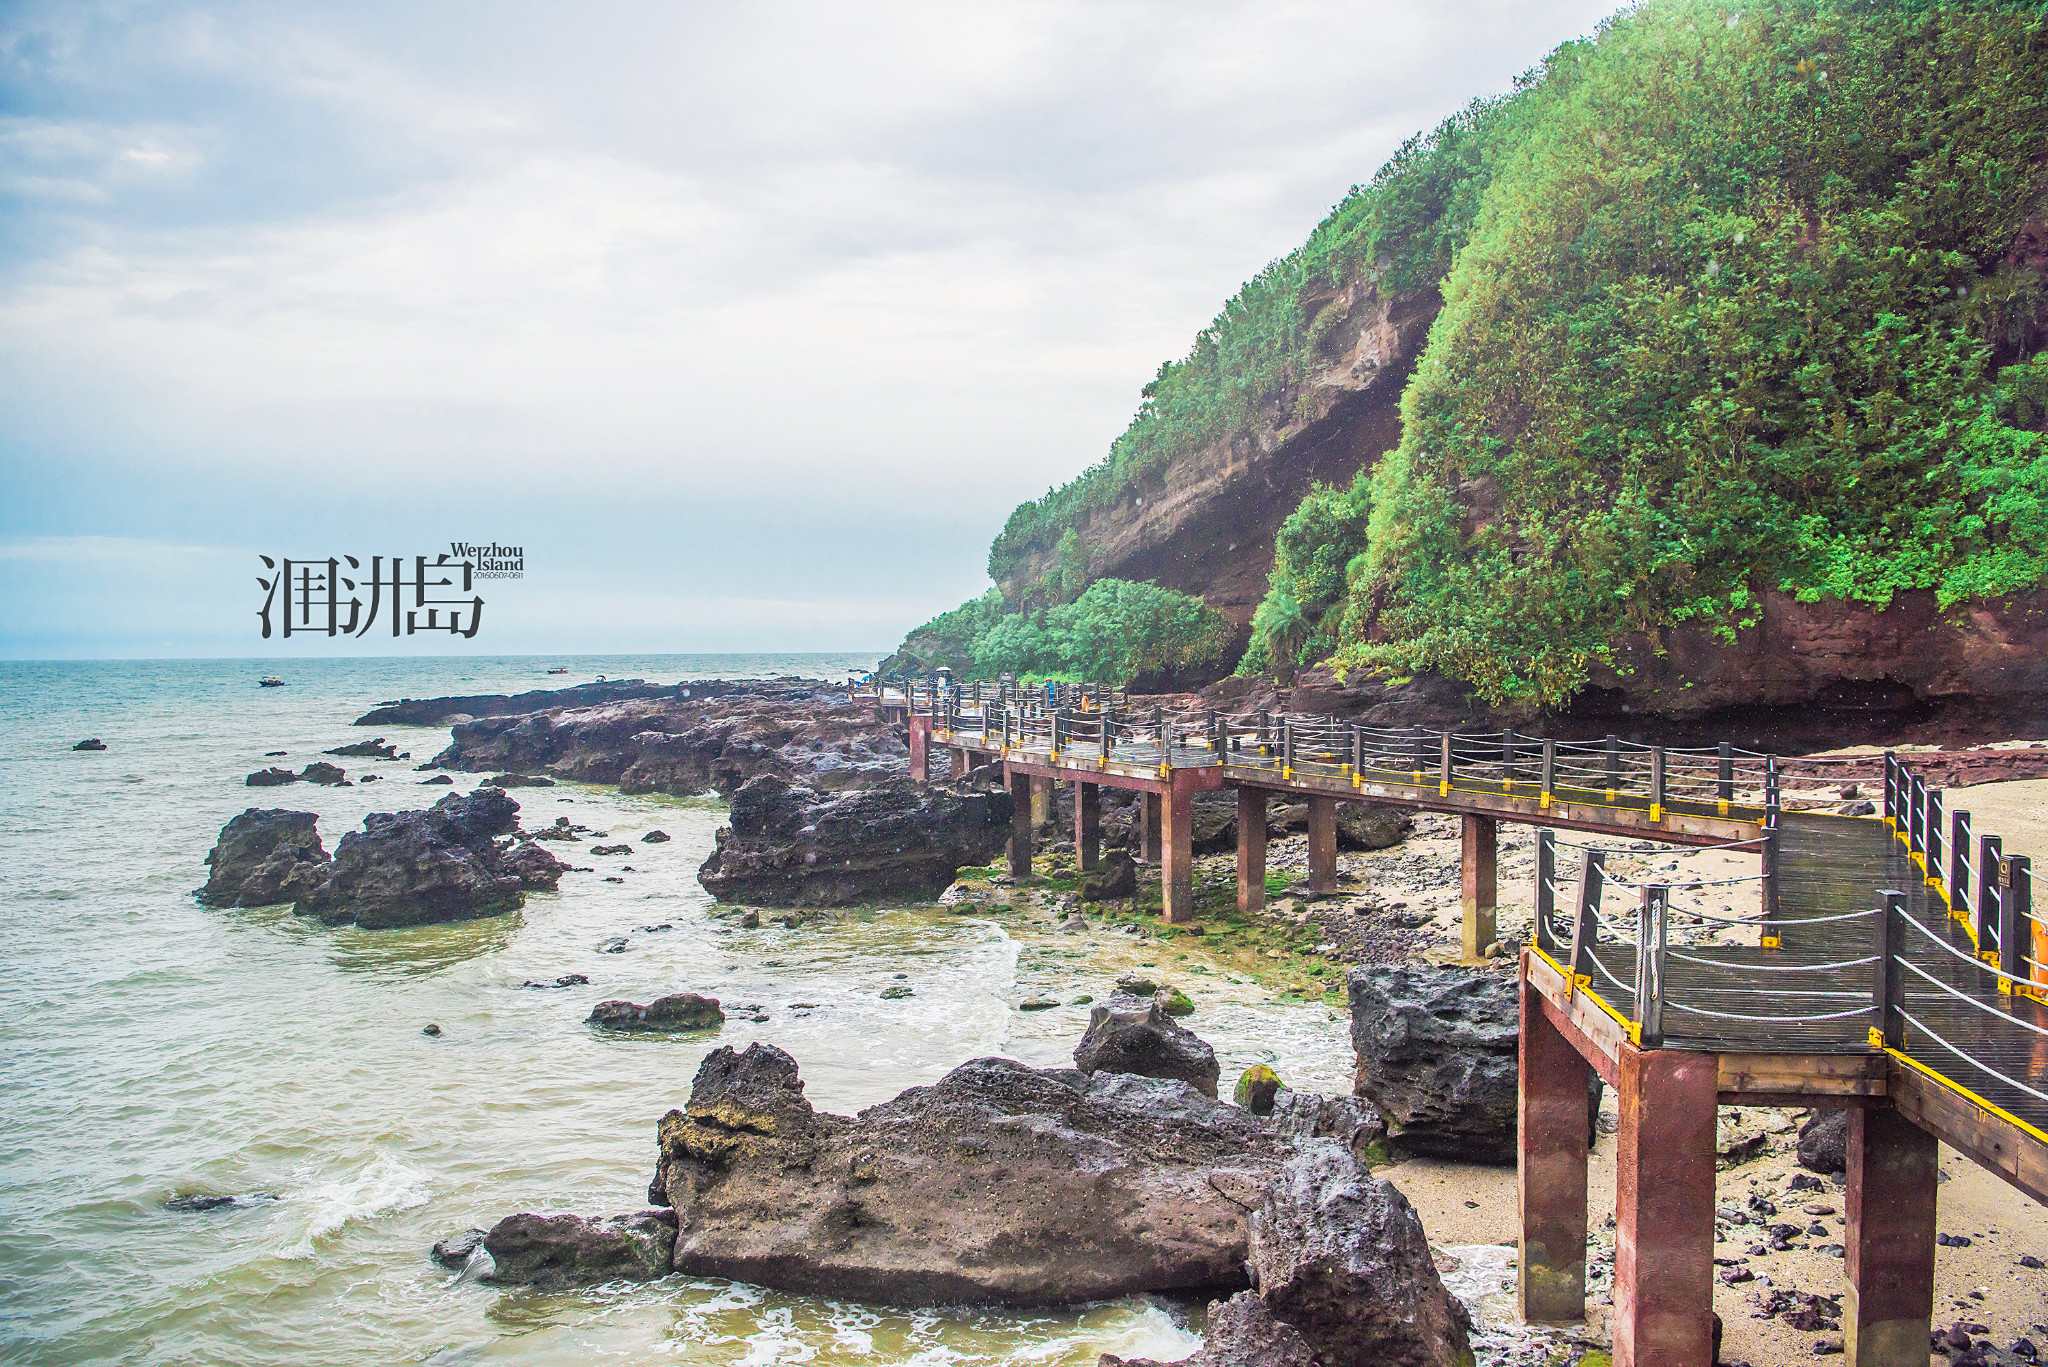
[1205,525]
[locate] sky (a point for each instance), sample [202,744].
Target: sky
[747,323]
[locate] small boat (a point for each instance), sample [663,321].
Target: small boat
[270,682]
[563,670]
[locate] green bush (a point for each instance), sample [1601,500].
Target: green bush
[1314,554]
[1114,632]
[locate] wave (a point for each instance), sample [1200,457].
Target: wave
[324,1207]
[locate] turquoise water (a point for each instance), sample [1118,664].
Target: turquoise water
[150,1047]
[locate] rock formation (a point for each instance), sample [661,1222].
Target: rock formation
[440,711]
[1241,1332]
[409,868]
[1437,1058]
[90,743]
[534,867]
[793,846]
[998,1184]
[677,1011]
[551,1252]
[264,856]
[1824,1142]
[365,749]
[1135,1035]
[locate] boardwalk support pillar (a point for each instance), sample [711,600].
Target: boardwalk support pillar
[1020,824]
[1551,1269]
[1889,1311]
[958,766]
[1087,825]
[1322,844]
[1148,828]
[920,745]
[1251,849]
[1664,1209]
[1476,861]
[1042,806]
[1177,849]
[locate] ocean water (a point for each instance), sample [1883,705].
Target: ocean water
[151,1048]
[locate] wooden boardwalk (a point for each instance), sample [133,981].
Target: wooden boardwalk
[1894,968]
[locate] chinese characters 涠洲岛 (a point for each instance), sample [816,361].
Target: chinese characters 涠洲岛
[319,597]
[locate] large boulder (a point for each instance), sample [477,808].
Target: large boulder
[1350,1120]
[534,867]
[1114,881]
[1371,826]
[1824,1142]
[273,777]
[1000,1184]
[1135,1035]
[410,868]
[552,1252]
[791,846]
[1340,1257]
[1437,1058]
[675,1012]
[264,856]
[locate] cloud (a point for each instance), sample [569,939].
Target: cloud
[874,272]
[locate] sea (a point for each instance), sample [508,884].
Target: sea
[152,1048]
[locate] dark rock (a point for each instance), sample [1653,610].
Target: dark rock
[410,868]
[789,846]
[534,867]
[998,1184]
[430,1029]
[677,1011]
[551,1253]
[611,849]
[1370,826]
[264,856]
[1135,985]
[1437,1057]
[272,777]
[435,780]
[1130,1035]
[1115,880]
[273,754]
[1350,1120]
[1824,1142]
[437,711]
[199,1202]
[370,778]
[1242,1332]
[703,735]
[1256,1088]
[91,743]
[455,1250]
[365,749]
[325,774]
[897,993]
[654,838]
[519,781]
[1341,1257]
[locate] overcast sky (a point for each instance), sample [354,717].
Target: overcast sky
[749,323]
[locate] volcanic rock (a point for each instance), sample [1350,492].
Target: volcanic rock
[902,842]
[1000,1184]
[1341,1257]
[611,849]
[551,1252]
[534,867]
[1242,1332]
[1115,880]
[1350,1120]
[1370,826]
[455,1250]
[436,780]
[264,856]
[325,774]
[272,777]
[365,749]
[1437,1058]
[1256,1088]
[91,743]
[1824,1142]
[654,838]
[1130,1035]
[519,781]
[677,1011]
[409,868]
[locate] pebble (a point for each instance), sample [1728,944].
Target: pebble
[430,1029]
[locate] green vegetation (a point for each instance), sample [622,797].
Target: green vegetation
[1320,547]
[1113,632]
[1764,353]
[1405,226]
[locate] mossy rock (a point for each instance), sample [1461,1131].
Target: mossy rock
[1177,1003]
[1257,1088]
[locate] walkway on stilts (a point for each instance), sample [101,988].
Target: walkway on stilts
[1893,965]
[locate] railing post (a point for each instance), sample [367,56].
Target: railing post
[1546,890]
[1657,783]
[1916,809]
[1357,753]
[1586,922]
[1159,729]
[1265,734]
[1287,747]
[1443,782]
[1934,802]
[1549,774]
[1724,778]
[1651,921]
[1960,884]
[1507,759]
[1420,744]
[1007,742]
[1884,972]
[1891,790]
[2015,915]
[1987,913]
[1767,936]
[1058,734]
[1613,767]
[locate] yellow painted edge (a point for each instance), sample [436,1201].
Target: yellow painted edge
[1960,1090]
[1656,811]
[1767,941]
[1544,803]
